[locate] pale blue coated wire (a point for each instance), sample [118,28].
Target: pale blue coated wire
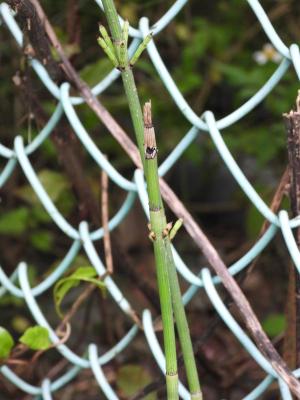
[183,106]
[94,151]
[235,170]
[48,204]
[260,389]
[40,70]
[268,28]
[295,56]
[63,265]
[46,389]
[117,218]
[232,324]
[96,90]
[41,192]
[99,374]
[160,24]
[47,282]
[7,171]
[6,152]
[289,238]
[182,268]
[13,277]
[20,383]
[284,390]
[34,390]
[62,348]
[239,332]
[101,270]
[46,131]
[37,141]
[187,139]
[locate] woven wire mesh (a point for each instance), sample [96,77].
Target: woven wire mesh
[82,238]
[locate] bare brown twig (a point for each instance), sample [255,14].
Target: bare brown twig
[292,123]
[104,212]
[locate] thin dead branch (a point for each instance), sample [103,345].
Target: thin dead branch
[105,219]
[292,124]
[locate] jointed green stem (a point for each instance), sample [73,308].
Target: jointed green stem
[135,108]
[158,224]
[157,210]
[182,327]
[127,76]
[169,290]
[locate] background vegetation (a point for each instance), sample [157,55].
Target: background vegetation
[210,51]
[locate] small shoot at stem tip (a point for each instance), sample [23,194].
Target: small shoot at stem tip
[103,32]
[140,49]
[108,52]
[175,229]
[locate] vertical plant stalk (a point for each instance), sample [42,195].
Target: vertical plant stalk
[127,77]
[183,327]
[158,223]
[292,123]
[162,249]
[161,239]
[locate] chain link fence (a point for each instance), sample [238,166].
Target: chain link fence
[82,238]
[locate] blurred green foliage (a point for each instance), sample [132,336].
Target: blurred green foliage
[131,378]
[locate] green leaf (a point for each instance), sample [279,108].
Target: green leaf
[274,324]
[131,378]
[6,343]
[36,338]
[63,286]
[14,222]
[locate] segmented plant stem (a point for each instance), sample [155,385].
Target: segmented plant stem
[157,211]
[169,290]
[127,77]
[183,327]
[158,223]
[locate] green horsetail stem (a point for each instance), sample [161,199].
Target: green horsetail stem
[158,223]
[125,31]
[107,50]
[164,257]
[157,213]
[140,49]
[106,38]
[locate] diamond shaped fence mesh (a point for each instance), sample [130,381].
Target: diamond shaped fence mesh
[83,239]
